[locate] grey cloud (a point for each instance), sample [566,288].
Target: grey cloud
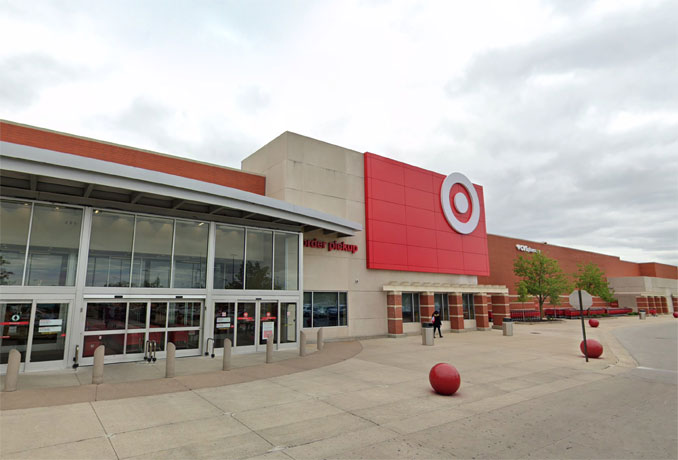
[252,99]
[23,77]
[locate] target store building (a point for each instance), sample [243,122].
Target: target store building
[108,244]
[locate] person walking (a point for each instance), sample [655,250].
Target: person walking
[436,323]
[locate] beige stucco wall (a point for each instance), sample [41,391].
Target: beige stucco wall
[626,289]
[329,178]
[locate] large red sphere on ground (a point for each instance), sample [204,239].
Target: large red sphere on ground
[594,347]
[675,314]
[445,379]
[653,312]
[594,323]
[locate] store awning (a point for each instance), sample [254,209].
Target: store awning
[444,287]
[33,173]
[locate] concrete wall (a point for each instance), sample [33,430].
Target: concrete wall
[329,178]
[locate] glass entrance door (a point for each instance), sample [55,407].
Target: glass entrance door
[268,323]
[36,329]
[126,328]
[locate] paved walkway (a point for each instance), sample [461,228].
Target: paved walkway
[530,395]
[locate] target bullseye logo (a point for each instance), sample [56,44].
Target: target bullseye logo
[461,203]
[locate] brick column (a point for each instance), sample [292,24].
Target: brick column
[674,304]
[650,304]
[665,305]
[500,310]
[480,302]
[642,304]
[456,312]
[394,309]
[426,307]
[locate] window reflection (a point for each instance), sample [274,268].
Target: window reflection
[15,319]
[410,303]
[259,259]
[14,221]
[229,257]
[110,249]
[53,248]
[286,261]
[190,254]
[152,252]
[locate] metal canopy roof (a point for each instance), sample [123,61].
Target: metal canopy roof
[40,174]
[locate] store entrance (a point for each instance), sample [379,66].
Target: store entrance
[36,329]
[132,330]
[248,324]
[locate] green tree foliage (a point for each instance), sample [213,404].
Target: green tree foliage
[541,277]
[591,278]
[523,295]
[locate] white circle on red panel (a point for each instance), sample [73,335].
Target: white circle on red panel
[460,203]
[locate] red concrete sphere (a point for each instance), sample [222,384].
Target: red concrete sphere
[675,314]
[653,312]
[594,347]
[594,323]
[444,378]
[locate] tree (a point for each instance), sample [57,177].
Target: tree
[591,278]
[541,277]
[523,295]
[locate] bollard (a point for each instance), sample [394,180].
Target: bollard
[302,343]
[98,371]
[169,360]
[320,339]
[227,355]
[13,364]
[269,350]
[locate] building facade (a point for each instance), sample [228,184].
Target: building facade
[107,244]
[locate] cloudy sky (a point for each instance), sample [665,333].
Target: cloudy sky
[565,111]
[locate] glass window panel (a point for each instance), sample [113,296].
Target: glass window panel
[152,252]
[415,306]
[159,339]
[184,340]
[110,249]
[105,316]
[286,261]
[135,342]
[184,314]
[441,305]
[224,323]
[343,309]
[49,332]
[469,312]
[308,309]
[136,316]
[14,221]
[259,259]
[114,344]
[229,257]
[288,322]
[53,248]
[325,309]
[408,316]
[268,314]
[158,314]
[246,324]
[190,254]
[15,321]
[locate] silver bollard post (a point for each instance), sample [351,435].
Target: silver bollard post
[269,350]
[98,371]
[320,339]
[169,360]
[13,364]
[302,343]
[227,355]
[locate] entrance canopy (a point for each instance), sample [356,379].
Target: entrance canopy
[444,287]
[41,174]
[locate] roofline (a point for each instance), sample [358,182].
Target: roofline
[50,163]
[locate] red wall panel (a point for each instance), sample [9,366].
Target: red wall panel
[405,225]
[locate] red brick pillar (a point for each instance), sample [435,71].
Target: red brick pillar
[500,309]
[674,304]
[456,312]
[651,304]
[665,305]
[394,308]
[426,307]
[480,302]
[642,304]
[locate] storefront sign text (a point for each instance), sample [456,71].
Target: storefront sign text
[331,246]
[524,248]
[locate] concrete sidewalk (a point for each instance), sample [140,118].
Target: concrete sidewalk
[530,395]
